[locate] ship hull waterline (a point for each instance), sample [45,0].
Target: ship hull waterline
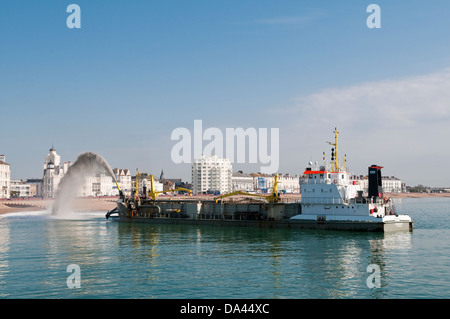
[286,223]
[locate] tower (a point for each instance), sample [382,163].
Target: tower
[53,172]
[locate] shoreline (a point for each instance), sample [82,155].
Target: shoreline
[417,195]
[80,204]
[108,203]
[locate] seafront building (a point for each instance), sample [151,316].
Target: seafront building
[35,186]
[172,183]
[123,177]
[211,175]
[241,181]
[53,172]
[263,183]
[286,183]
[390,184]
[97,185]
[20,188]
[5,178]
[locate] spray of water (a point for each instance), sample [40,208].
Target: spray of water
[87,164]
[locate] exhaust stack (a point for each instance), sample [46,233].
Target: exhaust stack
[375,181]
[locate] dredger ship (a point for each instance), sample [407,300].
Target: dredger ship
[330,200]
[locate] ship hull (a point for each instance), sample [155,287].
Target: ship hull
[296,221]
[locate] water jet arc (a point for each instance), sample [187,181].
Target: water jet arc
[87,164]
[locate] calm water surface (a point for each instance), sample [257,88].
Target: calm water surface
[169,261]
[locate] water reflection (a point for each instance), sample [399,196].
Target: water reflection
[183,261]
[282,263]
[4,248]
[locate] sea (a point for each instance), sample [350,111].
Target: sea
[85,256]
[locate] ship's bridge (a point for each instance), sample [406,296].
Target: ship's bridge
[321,186]
[321,176]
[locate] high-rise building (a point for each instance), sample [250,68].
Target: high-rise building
[211,175]
[5,178]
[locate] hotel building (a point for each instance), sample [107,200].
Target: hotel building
[211,175]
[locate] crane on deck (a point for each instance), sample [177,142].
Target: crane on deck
[153,194]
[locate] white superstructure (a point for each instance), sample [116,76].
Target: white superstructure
[330,195]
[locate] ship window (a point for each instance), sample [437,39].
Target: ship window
[310,176]
[321,175]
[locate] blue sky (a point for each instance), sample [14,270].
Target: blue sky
[136,70]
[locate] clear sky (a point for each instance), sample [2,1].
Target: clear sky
[137,70]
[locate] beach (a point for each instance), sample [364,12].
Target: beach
[80,204]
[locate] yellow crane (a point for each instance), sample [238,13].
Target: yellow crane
[272,198]
[153,194]
[118,187]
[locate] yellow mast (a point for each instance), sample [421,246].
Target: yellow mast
[334,152]
[336,161]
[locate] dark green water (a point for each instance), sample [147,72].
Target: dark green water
[168,261]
